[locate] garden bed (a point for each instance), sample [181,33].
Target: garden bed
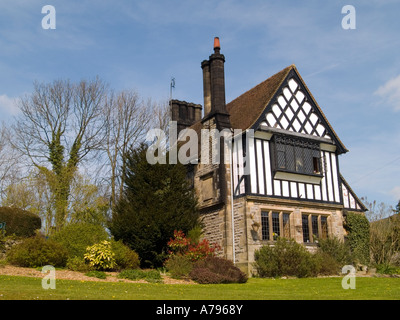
[75,275]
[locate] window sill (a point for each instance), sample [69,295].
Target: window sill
[298,177]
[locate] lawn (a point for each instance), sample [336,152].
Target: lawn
[29,288]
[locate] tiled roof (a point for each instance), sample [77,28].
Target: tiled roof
[246,109]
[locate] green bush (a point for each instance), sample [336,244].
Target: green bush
[132,274]
[217,270]
[96,274]
[125,258]
[338,250]
[137,274]
[179,266]
[20,222]
[37,252]
[78,264]
[77,237]
[285,258]
[326,264]
[385,268]
[100,256]
[358,229]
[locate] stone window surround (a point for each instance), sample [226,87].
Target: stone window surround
[295,221]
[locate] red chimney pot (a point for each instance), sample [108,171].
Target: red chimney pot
[216,43]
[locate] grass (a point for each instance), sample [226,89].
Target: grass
[26,288]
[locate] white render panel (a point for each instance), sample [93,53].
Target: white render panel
[323,182]
[329,177]
[317,192]
[242,186]
[253,171]
[285,188]
[293,189]
[352,202]
[335,177]
[345,196]
[277,188]
[302,191]
[260,167]
[268,169]
[310,191]
[235,165]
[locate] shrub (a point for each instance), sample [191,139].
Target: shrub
[326,264]
[338,250]
[132,274]
[179,266]
[217,270]
[385,268]
[285,258]
[20,222]
[100,256]
[78,264]
[96,274]
[37,252]
[137,274]
[181,245]
[77,237]
[358,228]
[153,276]
[125,258]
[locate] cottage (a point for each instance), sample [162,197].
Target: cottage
[283,178]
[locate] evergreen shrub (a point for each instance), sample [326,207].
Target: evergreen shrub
[125,258]
[19,222]
[100,256]
[37,252]
[285,258]
[76,237]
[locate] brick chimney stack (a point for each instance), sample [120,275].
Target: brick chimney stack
[214,87]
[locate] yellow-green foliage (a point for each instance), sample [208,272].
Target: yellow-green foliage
[100,256]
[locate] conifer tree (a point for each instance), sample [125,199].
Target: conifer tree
[157,199]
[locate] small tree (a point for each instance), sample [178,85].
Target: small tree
[157,200]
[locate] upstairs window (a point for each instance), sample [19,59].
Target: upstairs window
[297,155]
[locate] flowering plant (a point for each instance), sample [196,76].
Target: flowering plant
[181,245]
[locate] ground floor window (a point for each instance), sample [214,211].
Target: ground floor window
[275,224]
[314,227]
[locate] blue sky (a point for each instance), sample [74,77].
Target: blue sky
[353,74]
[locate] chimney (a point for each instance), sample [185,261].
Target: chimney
[185,113]
[214,86]
[205,65]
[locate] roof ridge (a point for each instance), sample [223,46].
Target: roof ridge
[261,83]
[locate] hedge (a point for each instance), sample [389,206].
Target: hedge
[20,222]
[357,226]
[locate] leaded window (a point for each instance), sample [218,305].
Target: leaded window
[275,224]
[297,155]
[306,230]
[265,225]
[314,227]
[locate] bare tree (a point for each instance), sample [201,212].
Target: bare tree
[8,160]
[127,120]
[384,232]
[60,124]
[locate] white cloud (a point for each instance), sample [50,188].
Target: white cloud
[8,105]
[390,92]
[395,192]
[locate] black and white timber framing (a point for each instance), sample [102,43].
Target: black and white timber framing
[292,113]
